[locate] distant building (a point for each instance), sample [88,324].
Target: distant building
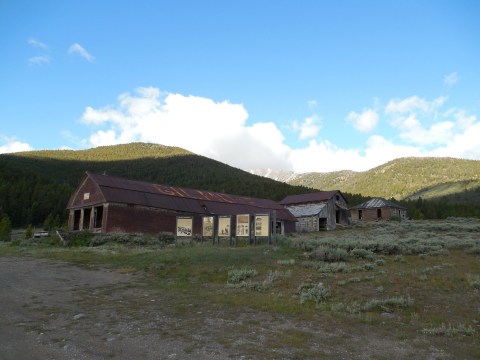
[378,209]
[323,210]
[110,204]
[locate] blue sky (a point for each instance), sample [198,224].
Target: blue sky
[295,85]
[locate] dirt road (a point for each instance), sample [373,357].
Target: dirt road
[54,310]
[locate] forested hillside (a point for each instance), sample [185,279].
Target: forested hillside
[405,178]
[35,186]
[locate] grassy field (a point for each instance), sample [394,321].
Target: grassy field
[414,283]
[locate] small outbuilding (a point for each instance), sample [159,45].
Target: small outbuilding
[324,210]
[110,204]
[378,209]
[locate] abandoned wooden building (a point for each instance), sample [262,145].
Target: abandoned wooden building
[110,204]
[323,210]
[378,209]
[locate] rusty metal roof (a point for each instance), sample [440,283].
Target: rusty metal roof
[376,203]
[320,196]
[120,190]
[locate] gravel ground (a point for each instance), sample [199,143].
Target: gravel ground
[54,310]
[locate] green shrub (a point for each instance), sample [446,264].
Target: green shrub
[5,228]
[318,293]
[475,250]
[29,232]
[387,304]
[450,330]
[362,254]
[329,254]
[236,276]
[286,262]
[77,239]
[339,267]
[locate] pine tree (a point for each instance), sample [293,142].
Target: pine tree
[5,228]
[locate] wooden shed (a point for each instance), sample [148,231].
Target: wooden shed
[323,210]
[110,204]
[378,209]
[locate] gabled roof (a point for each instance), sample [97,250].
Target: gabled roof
[321,196]
[307,209]
[120,190]
[376,203]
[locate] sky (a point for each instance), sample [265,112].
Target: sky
[305,85]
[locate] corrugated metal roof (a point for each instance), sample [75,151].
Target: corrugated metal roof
[377,203]
[120,190]
[308,198]
[307,210]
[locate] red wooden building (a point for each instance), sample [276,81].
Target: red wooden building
[109,204]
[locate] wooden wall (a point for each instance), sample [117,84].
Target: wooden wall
[372,214]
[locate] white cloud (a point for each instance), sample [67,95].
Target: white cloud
[214,129]
[37,44]
[406,105]
[219,131]
[451,79]
[11,145]
[309,128]
[324,156]
[364,122]
[312,104]
[419,120]
[464,144]
[79,50]
[39,60]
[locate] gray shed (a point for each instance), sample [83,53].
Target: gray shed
[318,211]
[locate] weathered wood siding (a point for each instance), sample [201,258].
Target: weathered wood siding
[124,218]
[386,213]
[307,224]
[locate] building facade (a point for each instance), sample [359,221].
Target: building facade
[324,210]
[110,204]
[378,209]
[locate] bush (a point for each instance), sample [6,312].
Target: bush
[77,239]
[450,330]
[329,254]
[236,276]
[362,254]
[386,304]
[5,228]
[29,232]
[314,292]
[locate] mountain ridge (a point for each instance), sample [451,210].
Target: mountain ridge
[402,178]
